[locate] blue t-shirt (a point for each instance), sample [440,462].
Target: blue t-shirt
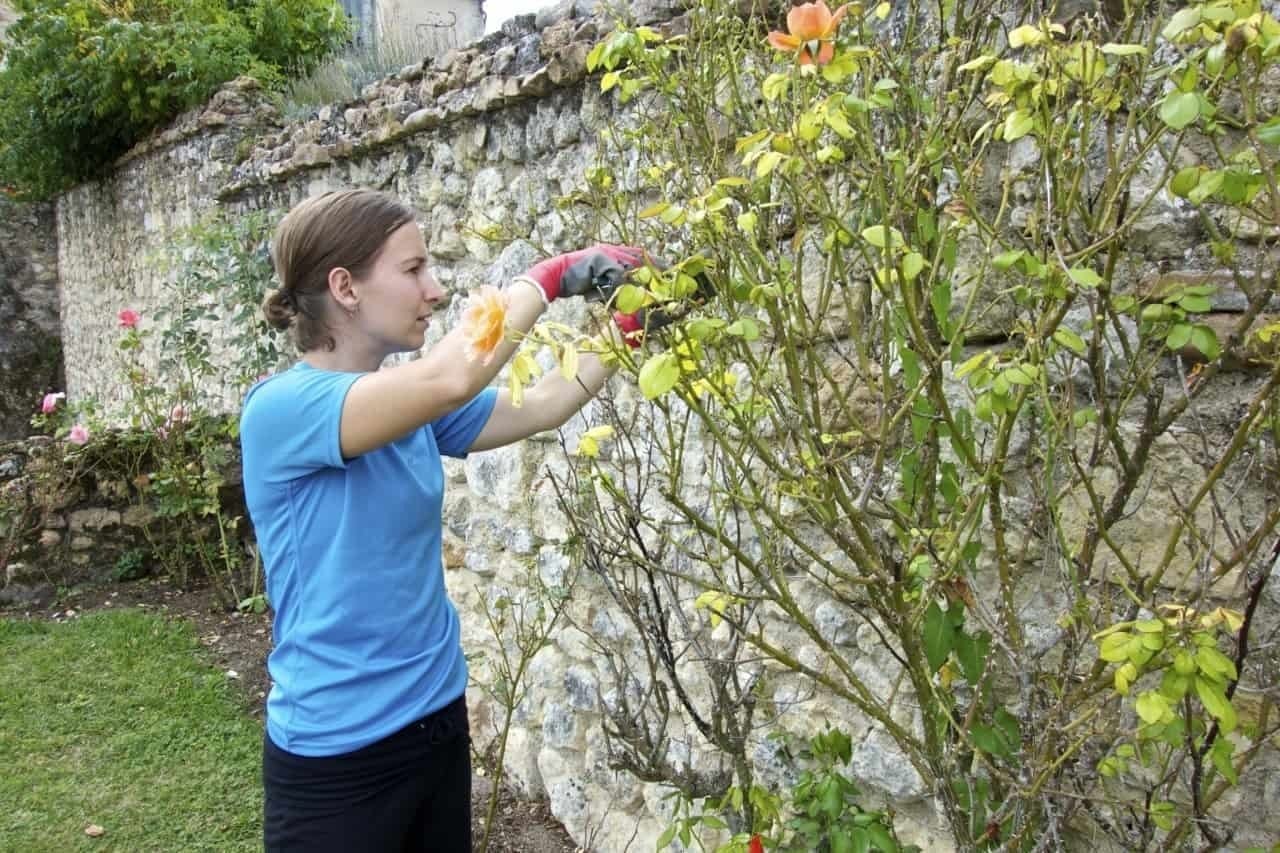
[366,638]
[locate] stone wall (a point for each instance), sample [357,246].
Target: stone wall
[29,349]
[483,141]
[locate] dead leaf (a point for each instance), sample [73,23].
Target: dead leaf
[94,831]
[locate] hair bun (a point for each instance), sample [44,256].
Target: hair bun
[280,308]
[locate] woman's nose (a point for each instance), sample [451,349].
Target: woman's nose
[432,289]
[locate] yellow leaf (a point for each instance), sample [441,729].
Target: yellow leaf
[768,162]
[653,210]
[569,362]
[882,11]
[837,122]
[714,601]
[1025,35]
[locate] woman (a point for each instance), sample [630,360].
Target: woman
[367,747]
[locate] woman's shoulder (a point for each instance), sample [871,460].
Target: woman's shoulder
[292,391]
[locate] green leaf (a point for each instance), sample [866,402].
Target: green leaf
[1195,304]
[882,838]
[940,302]
[1115,647]
[1215,664]
[1151,707]
[1179,336]
[629,299]
[1084,277]
[744,328]
[768,161]
[861,840]
[882,237]
[837,122]
[1162,814]
[1021,374]
[973,363]
[1205,339]
[939,636]
[1269,132]
[1086,415]
[840,67]
[1122,49]
[652,210]
[1185,181]
[841,842]
[980,64]
[987,739]
[668,835]
[1017,125]
[1179,109]
[971,652]
[1005,260]
[659,375]
[1180,23]
[1210,182]
[1070,340]
[912,265]
[1215,702]
[775,86]
[1221,754]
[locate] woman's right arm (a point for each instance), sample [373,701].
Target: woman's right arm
[386,404]
[389,403]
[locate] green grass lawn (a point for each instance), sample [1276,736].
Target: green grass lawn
[111,720]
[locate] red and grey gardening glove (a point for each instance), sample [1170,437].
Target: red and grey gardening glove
[591,273]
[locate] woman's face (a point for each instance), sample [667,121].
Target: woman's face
[399,294]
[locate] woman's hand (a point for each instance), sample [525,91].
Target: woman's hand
[592,273]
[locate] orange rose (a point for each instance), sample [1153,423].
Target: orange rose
[484,322]
[811,27]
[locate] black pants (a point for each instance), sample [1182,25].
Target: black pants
[408,792]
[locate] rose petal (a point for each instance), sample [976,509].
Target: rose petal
[783,42]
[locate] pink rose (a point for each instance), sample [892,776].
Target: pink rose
[128,318]
[78,435]
[50,402]
[177,415]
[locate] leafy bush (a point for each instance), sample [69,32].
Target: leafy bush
[84,80]
[949,451]
[184,367]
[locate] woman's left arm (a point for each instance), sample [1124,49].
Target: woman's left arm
[547,405]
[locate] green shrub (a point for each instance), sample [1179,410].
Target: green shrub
[84,80]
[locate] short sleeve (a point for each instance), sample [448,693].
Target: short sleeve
[458,430]
[291,424]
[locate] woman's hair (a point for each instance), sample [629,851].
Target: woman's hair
[338,229]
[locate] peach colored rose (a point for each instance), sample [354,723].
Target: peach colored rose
[811,29]
[484,322]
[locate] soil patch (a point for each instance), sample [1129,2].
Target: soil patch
[238,644]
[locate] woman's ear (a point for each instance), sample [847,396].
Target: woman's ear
[342,289]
